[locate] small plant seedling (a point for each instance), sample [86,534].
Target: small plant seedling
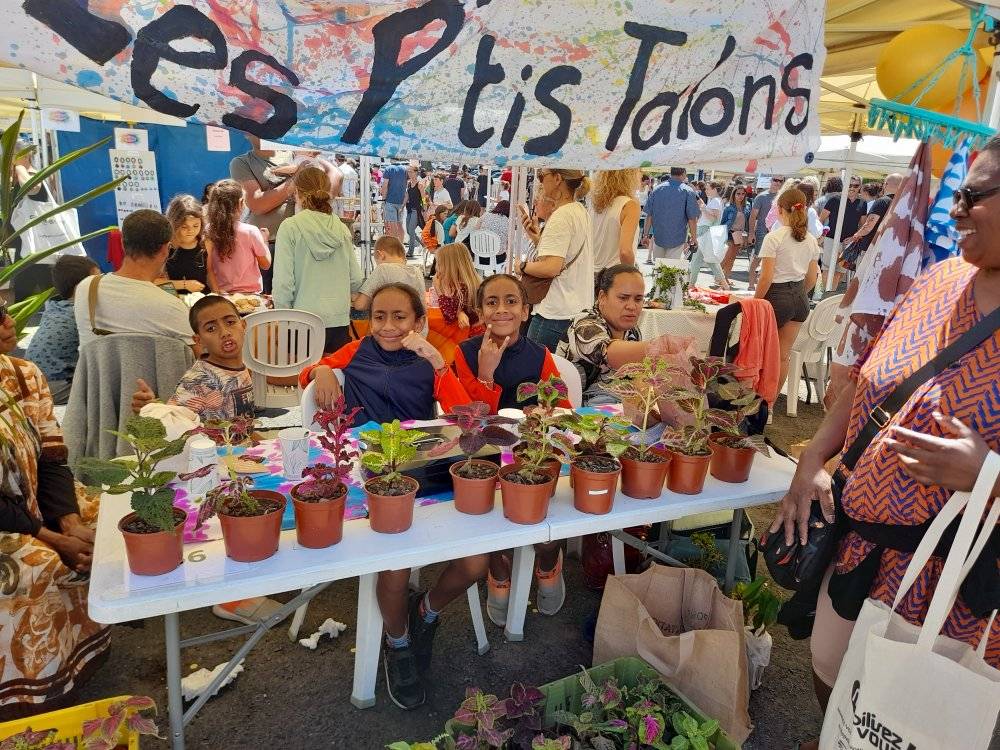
[389,448]
[537,445]
[130,715]
[328,481]
[548,392]
[231,497]
[478,429]
[481,712]
[598,438]
[32,740]
[151,498]
[760,603]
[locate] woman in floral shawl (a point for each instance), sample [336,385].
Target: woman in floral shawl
[47,643]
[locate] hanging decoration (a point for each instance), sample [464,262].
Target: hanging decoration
[940,234]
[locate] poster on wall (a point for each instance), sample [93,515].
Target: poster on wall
[216,139]
[140,190]
[60,119]
[131,139]
[581,83]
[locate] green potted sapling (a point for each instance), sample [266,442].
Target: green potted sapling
[391,495]
[639,384]
[153,531]
[475,481]
[732,451]
[594,442]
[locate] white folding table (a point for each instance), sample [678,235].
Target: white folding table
[439,533]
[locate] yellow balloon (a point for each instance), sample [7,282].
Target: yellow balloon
[918,53]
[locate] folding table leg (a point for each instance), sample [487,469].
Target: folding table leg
[175,702]
[520,587]
[297,618]
[476,612]
[574,547]
[734,548]
[618,555]
[368,644]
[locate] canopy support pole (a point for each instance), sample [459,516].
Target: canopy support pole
[365,187]
[831,260]
[515,232]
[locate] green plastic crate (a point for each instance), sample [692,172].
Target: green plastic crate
[567,694]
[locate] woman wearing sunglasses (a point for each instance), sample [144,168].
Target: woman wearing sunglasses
[933,445]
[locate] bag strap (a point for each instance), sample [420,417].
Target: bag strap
[883,413]
[92,304]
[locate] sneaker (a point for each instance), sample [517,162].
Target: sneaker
[551,588]
[248,611]
[421,633]
[401,679]
[497,597]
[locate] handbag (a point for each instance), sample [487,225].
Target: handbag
[801,567]
[907,683]
[537,287]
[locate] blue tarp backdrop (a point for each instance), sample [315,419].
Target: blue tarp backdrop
[183,165]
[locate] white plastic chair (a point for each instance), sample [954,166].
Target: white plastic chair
[309,410]
[810,349]
[571,377]
[280,343]
[488,254]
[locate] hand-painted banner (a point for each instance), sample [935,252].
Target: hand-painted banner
[587,83]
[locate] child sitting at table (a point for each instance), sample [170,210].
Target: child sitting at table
[393,373]
[456,283]
[390,268]
[490,368]
[218,387]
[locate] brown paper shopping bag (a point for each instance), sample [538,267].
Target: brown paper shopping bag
[678,621]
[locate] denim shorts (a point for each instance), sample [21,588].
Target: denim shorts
[790,302]
[393,213]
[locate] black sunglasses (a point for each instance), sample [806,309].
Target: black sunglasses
[971,197]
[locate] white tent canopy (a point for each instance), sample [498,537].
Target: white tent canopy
[875,155]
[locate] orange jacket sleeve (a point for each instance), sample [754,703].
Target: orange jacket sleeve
[449,391]
[476,390]
[549,368]
[336,361]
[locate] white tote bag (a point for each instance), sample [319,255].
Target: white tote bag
[715,248]
[905,686]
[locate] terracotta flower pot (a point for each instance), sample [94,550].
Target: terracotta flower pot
[474,496]
[686,474]
[319,524]
[253,538]
[524,503]
[643,480]
[593,491]
[391,514]
[731,464]
[157,553]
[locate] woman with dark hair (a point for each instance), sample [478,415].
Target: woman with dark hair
[603,339]
[315,267]
[237,252]
[187,265]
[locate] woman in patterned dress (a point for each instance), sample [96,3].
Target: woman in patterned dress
[48,644]
[934,445]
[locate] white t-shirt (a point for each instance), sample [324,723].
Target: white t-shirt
[442,198]
[130,306]
[791,258]
[714,204]
[607,229]
[567,235]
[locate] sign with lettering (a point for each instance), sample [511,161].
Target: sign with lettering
[582,83]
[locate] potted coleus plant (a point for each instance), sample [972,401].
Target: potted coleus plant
[153,531]
[250,519]
[732,451]
[390,494]
[527,485]
[644,470]
[547,393]
[319,502]
[689,443]
[475,482]
[594,444]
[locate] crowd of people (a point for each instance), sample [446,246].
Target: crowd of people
[577,294]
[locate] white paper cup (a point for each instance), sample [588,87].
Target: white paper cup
[294,443]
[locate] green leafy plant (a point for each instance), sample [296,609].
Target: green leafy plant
[665,278]
[389,448]
[477,429]
[481,712]
[690,735]
[692,439]
[743,403]
[760,603]
[598,434]
[548,392]
[12,194]
[441,742]
[639,384]
[152,500]
[710,557]
[130,715]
